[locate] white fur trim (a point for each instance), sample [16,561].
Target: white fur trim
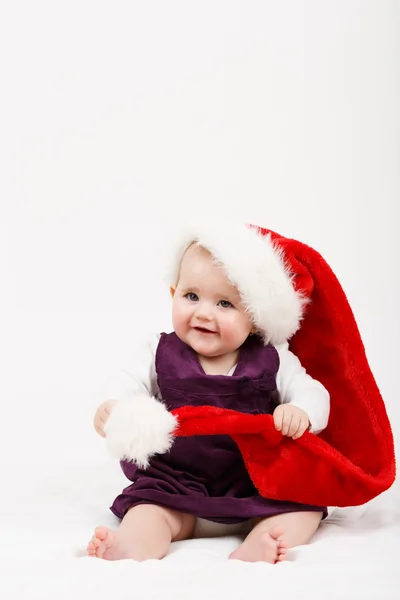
[138,428]
[256,266]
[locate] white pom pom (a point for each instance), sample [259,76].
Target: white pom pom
[138,428]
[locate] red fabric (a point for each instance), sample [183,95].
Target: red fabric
[352,460]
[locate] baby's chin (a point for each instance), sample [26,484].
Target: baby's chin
[207,348]
[208,354]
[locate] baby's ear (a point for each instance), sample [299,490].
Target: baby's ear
[172,291]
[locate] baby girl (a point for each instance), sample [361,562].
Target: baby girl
[227,350]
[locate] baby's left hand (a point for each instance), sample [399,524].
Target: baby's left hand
[291,420]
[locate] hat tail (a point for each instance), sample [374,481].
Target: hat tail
[330,348]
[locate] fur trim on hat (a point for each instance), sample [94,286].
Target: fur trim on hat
[138,428]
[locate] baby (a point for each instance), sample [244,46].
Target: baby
[216,356]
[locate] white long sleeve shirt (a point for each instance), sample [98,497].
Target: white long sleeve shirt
[294,385]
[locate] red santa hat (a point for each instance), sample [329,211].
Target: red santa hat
[292,295]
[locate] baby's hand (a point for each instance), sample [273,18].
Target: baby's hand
[291,420]
[102,414]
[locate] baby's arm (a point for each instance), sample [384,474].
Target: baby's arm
[139,377]
[305,402]
[138,424]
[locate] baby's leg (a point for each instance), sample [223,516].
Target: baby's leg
[145,532]
[272,537]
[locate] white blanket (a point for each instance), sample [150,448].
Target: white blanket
[48,518]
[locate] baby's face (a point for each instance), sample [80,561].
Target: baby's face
[207,311]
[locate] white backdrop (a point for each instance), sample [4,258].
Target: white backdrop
[117,118]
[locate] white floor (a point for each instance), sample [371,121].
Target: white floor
[48,516]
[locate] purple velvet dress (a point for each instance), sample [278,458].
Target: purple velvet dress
[205,475]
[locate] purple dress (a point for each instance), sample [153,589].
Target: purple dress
[205,475]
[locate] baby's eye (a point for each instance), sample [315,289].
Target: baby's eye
[192,297]
[225,304]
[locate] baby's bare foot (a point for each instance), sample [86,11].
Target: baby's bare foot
[105,544]
[265,546]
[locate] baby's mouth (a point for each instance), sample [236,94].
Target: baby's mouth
[204,330]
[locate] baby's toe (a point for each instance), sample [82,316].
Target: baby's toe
[282,550]
[91,549]
[281,557]
[282,546]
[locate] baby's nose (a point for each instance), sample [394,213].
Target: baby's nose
[204,313]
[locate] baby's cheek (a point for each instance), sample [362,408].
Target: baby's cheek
[180,319]
[177,312]
[236,331]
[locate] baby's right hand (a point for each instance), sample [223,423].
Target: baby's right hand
[101,416]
